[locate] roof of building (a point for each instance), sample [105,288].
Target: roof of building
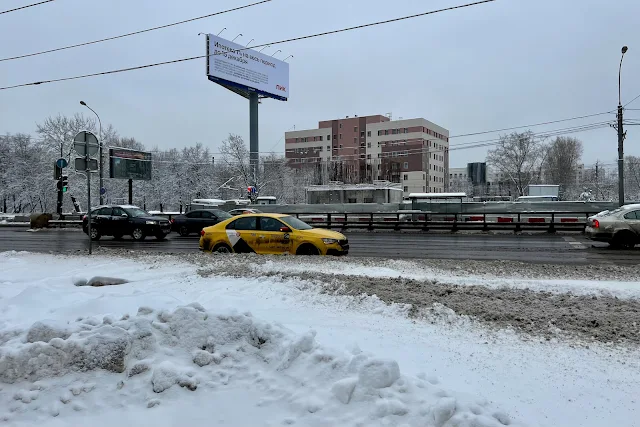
[355,187]
[437,195]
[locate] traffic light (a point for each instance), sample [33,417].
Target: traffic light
[63,183]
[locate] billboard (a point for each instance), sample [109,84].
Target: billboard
[129,164]
[234,65]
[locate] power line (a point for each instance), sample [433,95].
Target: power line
[25,7]
[478,144]
[135,32]
[632,100]
[247,48]
[532,125]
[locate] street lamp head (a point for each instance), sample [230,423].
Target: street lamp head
[83,103]
[624,49]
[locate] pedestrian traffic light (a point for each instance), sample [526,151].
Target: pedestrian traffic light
[65,183]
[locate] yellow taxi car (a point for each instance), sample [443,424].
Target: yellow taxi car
[271,234]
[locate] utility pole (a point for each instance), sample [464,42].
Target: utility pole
[620,136]
[597,181]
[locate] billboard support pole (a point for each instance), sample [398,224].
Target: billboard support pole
[254,153]
[130,191]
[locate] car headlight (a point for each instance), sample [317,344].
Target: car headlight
[330,241]
[152,222]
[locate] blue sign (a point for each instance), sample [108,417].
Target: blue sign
[103,191]
[61,163]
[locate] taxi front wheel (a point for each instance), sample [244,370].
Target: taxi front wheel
[307,249]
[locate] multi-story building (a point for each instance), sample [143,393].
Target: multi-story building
[412,152]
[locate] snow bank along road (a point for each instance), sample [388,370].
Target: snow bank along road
[539,248]
[269,341]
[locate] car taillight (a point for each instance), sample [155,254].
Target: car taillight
[84,217]
[202,232]
[173,220]
[596,223]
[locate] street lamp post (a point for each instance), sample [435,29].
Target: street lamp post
[100,145]
[620,135]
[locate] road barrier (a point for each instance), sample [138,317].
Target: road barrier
[516,222]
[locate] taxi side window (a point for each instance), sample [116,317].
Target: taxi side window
[632,215]
[270,224]
[248,223]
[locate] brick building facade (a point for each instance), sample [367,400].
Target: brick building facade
[412,152]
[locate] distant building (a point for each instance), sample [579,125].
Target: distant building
[413,153]
[377,192]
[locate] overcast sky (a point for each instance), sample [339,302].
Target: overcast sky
[497,65]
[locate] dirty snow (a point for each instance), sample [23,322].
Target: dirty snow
[172,347]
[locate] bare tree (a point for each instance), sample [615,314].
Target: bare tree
[517,157]
[632,177]
[562,161]
[235,160]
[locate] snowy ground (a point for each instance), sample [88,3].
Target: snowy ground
[177,345]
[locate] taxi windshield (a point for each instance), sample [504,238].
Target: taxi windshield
[294,222]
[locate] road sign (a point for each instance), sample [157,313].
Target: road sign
[81,148]
[85,144]
[61,163]
[81,164]
[103,191]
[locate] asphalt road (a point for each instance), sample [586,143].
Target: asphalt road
[536,248]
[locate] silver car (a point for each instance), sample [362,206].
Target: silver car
[620,227]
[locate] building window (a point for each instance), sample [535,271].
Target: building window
[340,136]
[355,128]
[369,133]
[296,139]
[328,137]
[406,130]
[368,145]
[368,156]
[406,177]
[386,132]
[362,134]
[355,140]
[340,126]
[406,189]
[393,131]
[423,188]
[328,147]
[320,137]
[340,145]
[406,165]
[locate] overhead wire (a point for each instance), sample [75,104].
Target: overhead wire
[135,32]
[25,6]
[310,36]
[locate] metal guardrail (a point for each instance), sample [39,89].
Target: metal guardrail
[425,221]
[549,221]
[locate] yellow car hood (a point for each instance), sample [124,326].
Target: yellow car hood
[322,234]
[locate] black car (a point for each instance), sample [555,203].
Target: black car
[117,221]
[194,221]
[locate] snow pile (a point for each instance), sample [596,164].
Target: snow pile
[91,367]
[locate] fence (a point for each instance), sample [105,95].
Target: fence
[425,221]
[540,221]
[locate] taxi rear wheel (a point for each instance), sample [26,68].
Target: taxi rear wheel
[307,249]
[221,248]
